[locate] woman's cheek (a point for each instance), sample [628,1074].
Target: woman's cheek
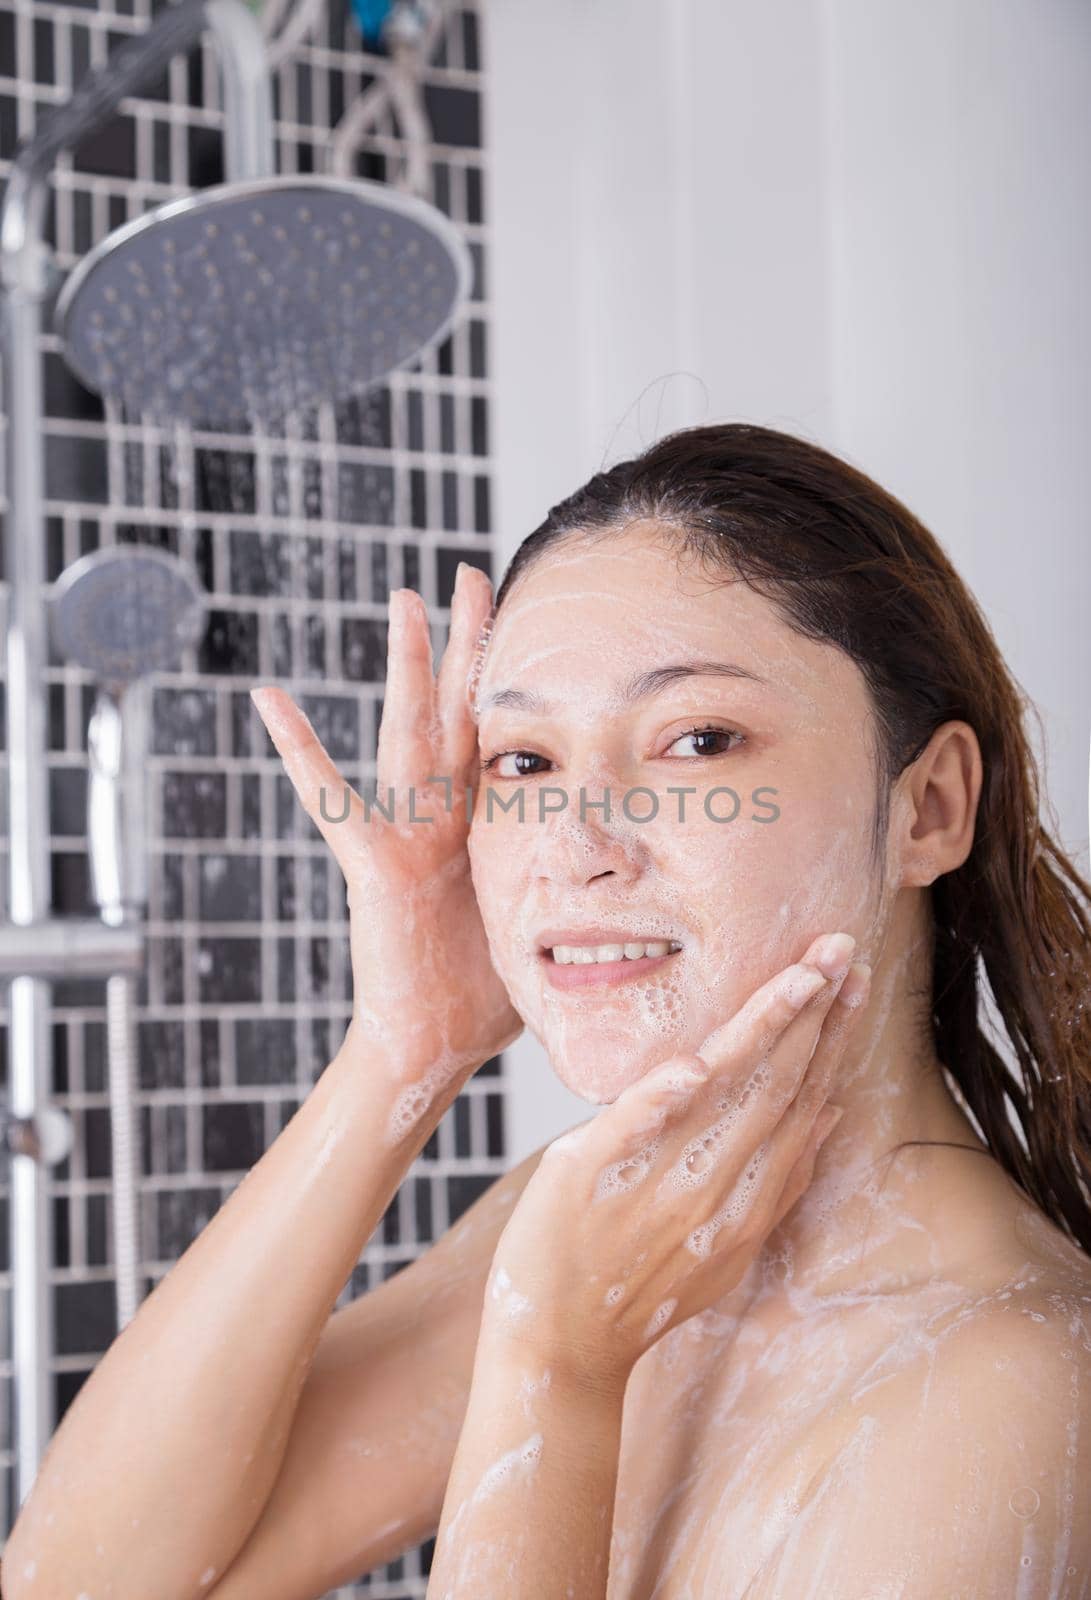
[745,897]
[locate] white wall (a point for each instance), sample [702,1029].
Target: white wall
[858,220]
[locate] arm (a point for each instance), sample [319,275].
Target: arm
[529,1509]
[374,1436]
[181,1430]
[529,1505]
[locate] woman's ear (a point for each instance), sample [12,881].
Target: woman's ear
[942,788]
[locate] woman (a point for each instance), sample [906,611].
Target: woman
[681,1353]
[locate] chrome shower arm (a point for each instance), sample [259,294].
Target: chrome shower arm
[248,117]
[100,91]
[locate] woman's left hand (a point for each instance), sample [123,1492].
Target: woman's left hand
[654,1209]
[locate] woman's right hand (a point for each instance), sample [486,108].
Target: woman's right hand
[426,994]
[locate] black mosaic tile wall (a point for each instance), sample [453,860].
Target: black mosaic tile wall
[298,542]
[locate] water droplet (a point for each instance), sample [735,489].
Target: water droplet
[1024,1502]
[698,1160]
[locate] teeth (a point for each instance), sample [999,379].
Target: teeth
[587,955]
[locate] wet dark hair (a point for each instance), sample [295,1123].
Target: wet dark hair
[847,564]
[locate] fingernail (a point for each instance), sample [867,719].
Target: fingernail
[459,570]
[266,706]
[281,722]
[855,987]
[831,954]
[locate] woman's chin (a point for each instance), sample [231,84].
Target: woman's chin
[597,1080]
[599,1057]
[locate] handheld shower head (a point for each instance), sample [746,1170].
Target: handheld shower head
[249,300]
[124,612]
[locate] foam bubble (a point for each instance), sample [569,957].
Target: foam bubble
[527,1454]
[622,1176]
[659,1318]
[702,1239]
[1024,1502]
[529,1388]
[513,1305]
[416,1099]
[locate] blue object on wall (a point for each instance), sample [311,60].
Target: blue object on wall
[370,16]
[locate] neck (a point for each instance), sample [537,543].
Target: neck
[874,1217]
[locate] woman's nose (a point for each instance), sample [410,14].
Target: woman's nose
[574,846]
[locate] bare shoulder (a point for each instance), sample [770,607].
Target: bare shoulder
[966,1477]
[1025,1346]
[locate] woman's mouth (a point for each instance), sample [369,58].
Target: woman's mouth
[604,966]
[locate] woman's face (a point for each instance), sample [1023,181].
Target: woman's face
[743,897]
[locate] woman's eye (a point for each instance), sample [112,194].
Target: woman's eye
[502,755]
[726,735]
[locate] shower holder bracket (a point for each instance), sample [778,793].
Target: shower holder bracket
[69,947]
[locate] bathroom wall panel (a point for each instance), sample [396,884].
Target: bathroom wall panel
[247,988]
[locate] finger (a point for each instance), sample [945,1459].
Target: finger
[671,1094]
[470,605]
[779,1026]
[847,1006]
[774,1006]
[707,1124]
[789,1153]
[801,1175]
[758,1195]
[668,1108]
[314,777]
[405,753]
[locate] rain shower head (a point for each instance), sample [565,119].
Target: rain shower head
[249,300]
[123,612]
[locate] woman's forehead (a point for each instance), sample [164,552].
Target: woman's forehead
[602,615]
[617,590]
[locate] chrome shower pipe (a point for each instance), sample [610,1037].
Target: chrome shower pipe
[28,276]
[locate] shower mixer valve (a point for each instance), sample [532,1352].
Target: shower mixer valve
[46,1138]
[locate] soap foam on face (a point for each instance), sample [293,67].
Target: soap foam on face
[743,898]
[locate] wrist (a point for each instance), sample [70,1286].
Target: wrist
[417,1058]
[576,1366]
[408,1097]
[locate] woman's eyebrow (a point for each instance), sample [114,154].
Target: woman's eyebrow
[640,687]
